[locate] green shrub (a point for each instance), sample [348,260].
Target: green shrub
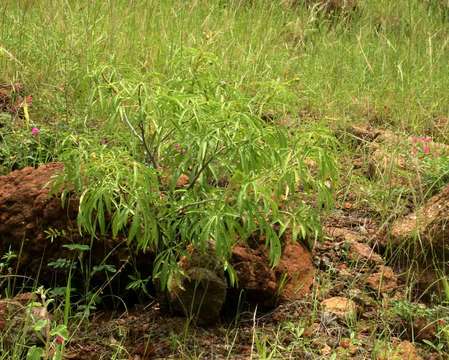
[201,166]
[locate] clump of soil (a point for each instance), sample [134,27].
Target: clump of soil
[13,99]
[430,223]
[352,295]
[344,281]
[26,207]
[37,228]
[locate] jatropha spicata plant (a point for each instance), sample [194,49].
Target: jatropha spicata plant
[192,162]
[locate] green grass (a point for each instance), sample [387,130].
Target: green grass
[389,58]
[221,74]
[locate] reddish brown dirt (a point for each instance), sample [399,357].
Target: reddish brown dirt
[12,99]
[292,279]
[28,212]
[430,222]
[249,264]
[26,209]
[296,264]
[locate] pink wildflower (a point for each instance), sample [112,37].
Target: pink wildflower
[35,131]
[59,340]
[424,140]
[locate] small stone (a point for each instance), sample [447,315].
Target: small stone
[361,298]
[424,329]
[397,350]
[326,350]
[341,307]
[312,330]
[345,343]
[182,181]
[360,251]
[406,351]
[353,349]
[384,281]
[343,271]
[342,234]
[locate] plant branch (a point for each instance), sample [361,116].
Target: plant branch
[151,155]
[204,166]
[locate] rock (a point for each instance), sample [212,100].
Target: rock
[390,165]
[343,234]
[34,223]
[405,350]
[291,280]
[200,295]
[312,330]
[200,292]
[402,160]
[397,158]
[297,267]
[26,211]
[326,350]
[340,307]
[263,285]
[430,223]
[423,329]
[255,275]
[25,205]
[384,281]
[12,99]
[182,181]
[362,252]
[347,344]
[364,133]
[362,299]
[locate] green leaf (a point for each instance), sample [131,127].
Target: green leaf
[35,353]
[77,247]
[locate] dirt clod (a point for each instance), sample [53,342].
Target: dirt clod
[339,306]
[405,351]
[430,223]
[383,281]
[359,251]
[13,99]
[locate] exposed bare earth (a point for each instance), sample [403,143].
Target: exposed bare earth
[344,274]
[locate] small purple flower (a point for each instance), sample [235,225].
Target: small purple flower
[35,131]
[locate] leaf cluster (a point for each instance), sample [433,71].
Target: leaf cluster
[193,163]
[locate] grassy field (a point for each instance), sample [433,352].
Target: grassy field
[139,93]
